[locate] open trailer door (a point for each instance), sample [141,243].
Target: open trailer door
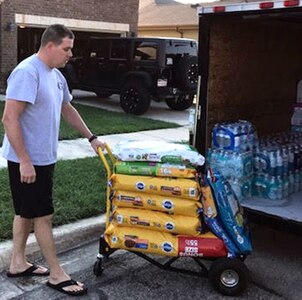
[250,64]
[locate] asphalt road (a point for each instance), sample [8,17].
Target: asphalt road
[275,267]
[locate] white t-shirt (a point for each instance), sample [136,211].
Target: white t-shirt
[44,89]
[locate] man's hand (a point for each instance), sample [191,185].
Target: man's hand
[27,172]
[97,143]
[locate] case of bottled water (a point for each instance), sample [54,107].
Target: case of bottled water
[236,136]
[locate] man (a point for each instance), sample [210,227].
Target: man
[36,96]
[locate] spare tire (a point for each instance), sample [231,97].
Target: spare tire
[185,73]
[180,102]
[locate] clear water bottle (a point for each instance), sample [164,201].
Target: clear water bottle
[236,186]
[279,160]
[296,181]
[227,138]
[291,183]
[273,189]
[285,186]
[246,188]
[291,158]
[272,163]
[279,187]
[247,163]
[284,152]
[296,157]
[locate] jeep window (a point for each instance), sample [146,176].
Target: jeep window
[118,50]
[145,51]
[99,50]
[189,48]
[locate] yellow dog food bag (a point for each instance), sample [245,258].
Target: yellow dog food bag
[165,186]
[153,202]
[158,221]
[162,243]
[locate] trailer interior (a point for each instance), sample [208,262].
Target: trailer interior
[250,66]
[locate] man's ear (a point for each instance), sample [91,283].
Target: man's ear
[49,45]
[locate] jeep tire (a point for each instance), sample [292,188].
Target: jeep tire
[135,97]
[185,73]
[180,102]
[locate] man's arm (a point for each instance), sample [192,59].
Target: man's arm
[73,118]
[11,123]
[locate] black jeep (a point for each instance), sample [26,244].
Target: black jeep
[139,69]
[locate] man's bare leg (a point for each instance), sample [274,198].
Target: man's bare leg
[44,235]
[21,230]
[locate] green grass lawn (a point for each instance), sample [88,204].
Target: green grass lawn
[79,192]
[103,122]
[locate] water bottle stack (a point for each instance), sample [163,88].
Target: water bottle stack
[278,166]
[231,154]
[296,120]
[270,167]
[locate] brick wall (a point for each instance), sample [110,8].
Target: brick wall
[92,10]
[255,68]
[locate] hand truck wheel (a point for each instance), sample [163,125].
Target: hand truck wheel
[98,267]
[229,276]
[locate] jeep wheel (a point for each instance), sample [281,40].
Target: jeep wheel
[185,73]
[103,95]
[135,98]
[180,102]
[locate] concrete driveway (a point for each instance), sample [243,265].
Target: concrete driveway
[157,111]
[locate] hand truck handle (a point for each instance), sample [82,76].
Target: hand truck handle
[105,161]
[109,173]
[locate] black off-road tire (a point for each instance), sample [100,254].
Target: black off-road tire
[180,102]
[135,97]
[229,276]
[186,73]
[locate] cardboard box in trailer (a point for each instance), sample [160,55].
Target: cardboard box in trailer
[250,66]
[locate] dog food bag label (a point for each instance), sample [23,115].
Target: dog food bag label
[208,246]
[164,186]
[162,243]
[142,240]
[154,169]
[153,202]
[157,151]
[158,221]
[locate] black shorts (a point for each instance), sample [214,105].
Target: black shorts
[35,199]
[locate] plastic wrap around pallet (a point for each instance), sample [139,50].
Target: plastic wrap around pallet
[162,243]
[230,212]
[157,151]
[158,221]
[156,203]
[165,186]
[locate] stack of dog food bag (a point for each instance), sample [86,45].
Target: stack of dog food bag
[156,205]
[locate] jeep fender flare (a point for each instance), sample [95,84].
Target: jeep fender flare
[140,76]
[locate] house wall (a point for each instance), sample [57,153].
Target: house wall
[92,15]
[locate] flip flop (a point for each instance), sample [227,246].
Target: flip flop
[28,272]
[60,287]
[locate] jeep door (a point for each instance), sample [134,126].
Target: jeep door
[96,64]
[120,62]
